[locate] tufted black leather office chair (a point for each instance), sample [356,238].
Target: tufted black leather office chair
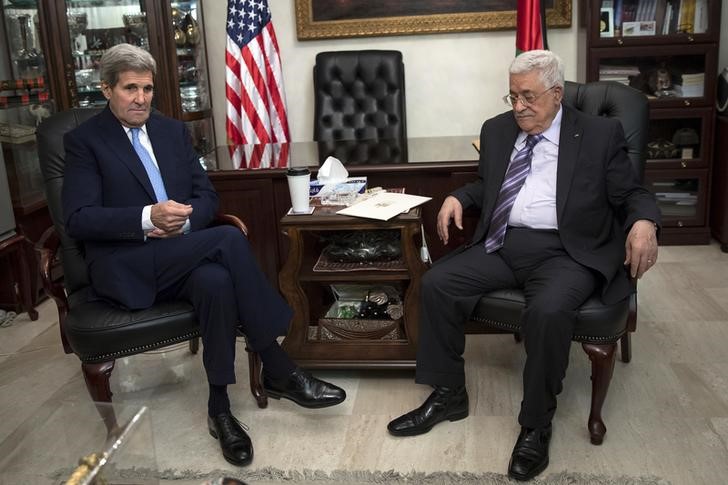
[359,96]
[99,333]
[599,327]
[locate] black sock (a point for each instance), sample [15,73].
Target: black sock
[276,363]
[218,401]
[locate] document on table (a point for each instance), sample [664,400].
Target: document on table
[384,205]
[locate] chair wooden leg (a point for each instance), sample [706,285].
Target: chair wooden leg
[625,346]
[602,358]
[255,366]
[194,345]
[97,382]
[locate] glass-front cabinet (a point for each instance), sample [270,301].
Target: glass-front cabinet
[668,49]
[80,31]
[25,100]
[190,59]
[49,61]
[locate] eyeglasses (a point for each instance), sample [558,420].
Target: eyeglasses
[526,99]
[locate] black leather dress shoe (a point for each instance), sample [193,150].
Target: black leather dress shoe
[304,389]
[234,441]
[531,454]
[444,403]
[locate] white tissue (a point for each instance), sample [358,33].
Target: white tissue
[332,172]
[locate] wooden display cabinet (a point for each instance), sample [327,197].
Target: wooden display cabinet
[172,31]
[308,292]
[675,65]
[719,194]
[50,55]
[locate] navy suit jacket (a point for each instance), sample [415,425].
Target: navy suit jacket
[105,189]
[598,193]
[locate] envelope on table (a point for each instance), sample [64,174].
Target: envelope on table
[384,206]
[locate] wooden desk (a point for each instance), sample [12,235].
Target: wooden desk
[430,166]
[316,341]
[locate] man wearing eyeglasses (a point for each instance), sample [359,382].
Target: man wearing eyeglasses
[562,214]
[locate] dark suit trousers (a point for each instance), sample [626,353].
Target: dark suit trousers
[554,286]
[216,271]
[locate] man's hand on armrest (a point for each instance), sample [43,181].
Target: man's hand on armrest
[451,209]
[641,247]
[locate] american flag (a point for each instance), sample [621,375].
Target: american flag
[256,103]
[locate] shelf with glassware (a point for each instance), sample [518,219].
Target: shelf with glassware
[79,32]
[25,99]
[190,58]
[18,123]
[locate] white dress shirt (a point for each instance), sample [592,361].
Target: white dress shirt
[535,205]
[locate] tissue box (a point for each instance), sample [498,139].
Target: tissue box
[356,185]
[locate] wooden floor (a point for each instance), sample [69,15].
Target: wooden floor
[666,412]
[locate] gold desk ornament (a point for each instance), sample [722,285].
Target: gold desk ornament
[90,466]
[86,465]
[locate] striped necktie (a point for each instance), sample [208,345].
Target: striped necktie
[155,177]
[516,174]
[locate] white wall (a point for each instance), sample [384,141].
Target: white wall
[453,81]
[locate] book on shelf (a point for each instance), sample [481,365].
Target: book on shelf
[701,17]
[623,70]
[672,27]
[687,16]
[660,10]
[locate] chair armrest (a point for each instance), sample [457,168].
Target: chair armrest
[230,220]
[47,249]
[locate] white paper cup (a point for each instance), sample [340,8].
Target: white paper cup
[298,186]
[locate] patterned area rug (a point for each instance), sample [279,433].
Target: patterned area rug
[266,476]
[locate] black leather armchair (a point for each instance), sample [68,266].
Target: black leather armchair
[99,333]
[599,327]
[359,96]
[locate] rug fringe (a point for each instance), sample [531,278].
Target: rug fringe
[363,477]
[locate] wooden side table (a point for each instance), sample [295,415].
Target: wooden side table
[13,249]
[309,294]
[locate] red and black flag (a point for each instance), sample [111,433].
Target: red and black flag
[531,26]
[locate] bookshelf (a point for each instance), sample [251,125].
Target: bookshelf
[669,50]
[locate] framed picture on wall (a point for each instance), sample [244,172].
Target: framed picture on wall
[330,19]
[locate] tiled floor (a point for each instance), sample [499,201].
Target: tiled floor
[666,412]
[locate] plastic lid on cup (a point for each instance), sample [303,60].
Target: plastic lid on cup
[293,171]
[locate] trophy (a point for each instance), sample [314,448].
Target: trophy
[136,23]
[77,23]
[192,31]
[21,33]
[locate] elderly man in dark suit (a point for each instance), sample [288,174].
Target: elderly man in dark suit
[562,215]
[137,197]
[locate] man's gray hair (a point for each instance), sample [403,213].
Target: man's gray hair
[549,66]
[125,57]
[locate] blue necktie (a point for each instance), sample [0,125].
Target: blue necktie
[152,171]
[516,174]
